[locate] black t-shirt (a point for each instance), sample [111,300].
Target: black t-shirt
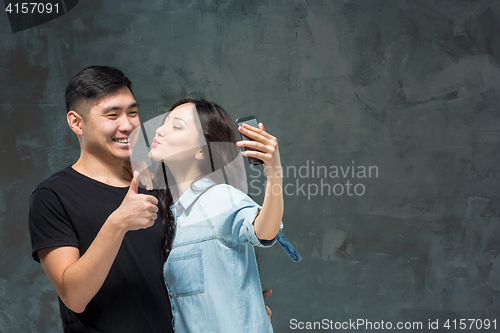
[69,209]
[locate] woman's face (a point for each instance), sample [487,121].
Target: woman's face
[178,139]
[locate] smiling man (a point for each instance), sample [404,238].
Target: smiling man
[98,236]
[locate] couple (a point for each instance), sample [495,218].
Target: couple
[111,280]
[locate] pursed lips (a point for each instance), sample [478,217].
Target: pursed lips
[154,143]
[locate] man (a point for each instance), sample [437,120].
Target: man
[98,236]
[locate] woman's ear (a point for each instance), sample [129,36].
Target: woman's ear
[75,122]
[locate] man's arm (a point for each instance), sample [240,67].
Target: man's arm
[78,279]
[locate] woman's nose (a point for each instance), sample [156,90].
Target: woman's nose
[159,131]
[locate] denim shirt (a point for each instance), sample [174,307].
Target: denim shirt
[211,273]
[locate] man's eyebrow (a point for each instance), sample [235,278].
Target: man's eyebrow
[114,108]
[110,108]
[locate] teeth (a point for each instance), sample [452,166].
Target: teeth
[122,140]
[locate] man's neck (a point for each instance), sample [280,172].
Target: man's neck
[112,173]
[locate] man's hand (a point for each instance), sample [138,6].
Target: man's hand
[266,294]
[137,211]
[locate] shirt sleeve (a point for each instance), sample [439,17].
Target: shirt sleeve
[49,224]
[235,214]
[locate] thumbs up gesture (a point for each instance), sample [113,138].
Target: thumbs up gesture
[137,211]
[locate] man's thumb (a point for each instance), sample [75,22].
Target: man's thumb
[134,184]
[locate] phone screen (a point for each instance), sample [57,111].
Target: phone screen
[252,121]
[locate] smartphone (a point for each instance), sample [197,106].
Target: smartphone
[252,121]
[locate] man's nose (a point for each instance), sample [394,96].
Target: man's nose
[126,125]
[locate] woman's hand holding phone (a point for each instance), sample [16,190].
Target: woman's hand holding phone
[265,148]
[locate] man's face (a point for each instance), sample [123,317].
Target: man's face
[107,127]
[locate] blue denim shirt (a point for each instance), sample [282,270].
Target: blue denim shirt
[211,273]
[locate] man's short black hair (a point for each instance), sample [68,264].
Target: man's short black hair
[91,84]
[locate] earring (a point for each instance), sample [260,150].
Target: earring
[199,155]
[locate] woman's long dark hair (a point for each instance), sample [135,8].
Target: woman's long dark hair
[217,126]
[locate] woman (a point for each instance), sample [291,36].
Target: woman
[210,268]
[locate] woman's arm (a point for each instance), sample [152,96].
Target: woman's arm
[267,223]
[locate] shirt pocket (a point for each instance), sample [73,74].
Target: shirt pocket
[184,273]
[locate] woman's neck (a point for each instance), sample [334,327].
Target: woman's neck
[184,176]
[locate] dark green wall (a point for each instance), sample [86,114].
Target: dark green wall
[411,87]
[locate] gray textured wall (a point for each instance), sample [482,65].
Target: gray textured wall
[411,87]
